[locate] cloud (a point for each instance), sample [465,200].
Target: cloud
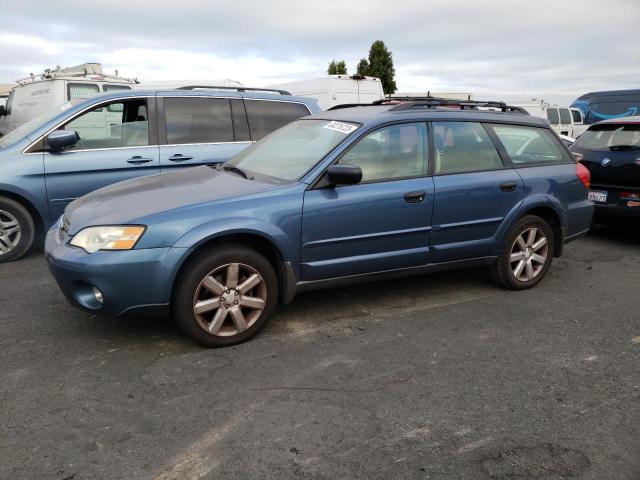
[497,48]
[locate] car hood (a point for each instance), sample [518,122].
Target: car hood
[131,200]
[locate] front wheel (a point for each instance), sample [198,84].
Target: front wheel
[17,230]
[224,295]
[525,255]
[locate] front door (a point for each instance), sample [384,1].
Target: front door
[474,192]
[382,223]
[116,143]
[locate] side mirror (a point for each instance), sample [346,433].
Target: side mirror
[344,174]
[3,110]
[59,140]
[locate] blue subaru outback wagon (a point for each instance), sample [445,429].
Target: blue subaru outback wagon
[344,196]
[54,159]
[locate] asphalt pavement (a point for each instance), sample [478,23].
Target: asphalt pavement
[444,376]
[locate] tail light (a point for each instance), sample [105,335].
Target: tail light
[583,174]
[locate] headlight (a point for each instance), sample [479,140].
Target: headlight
[123,237]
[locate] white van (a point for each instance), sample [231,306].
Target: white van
[564,120]
[39,94]
[336,89]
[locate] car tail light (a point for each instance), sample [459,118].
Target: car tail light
[583,174]
[631,195]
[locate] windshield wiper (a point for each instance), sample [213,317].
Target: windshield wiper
[613,148]
[239,171]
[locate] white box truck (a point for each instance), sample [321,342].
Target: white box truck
[336,89]
[40,94]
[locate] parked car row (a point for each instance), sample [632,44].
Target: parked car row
[401,187]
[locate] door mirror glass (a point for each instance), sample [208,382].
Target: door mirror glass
[344,174]
[59,140]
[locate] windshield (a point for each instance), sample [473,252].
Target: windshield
[33,124]
[290,152]
[612,136]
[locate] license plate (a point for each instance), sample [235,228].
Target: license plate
[598,196]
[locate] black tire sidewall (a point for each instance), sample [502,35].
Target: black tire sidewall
[192,273]
[504,273]
[27,227]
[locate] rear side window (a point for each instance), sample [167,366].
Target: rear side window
[115,88]
[565,116]
[552,115]
[463,147]
[82,90]
[266,116]
[577,116]
[529,145]
[198,120]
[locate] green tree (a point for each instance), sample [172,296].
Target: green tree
[363,67]
[337,68]
[380,65]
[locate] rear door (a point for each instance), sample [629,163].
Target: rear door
[474,192]
[200,130]
[117,142]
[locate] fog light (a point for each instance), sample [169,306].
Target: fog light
[98,294]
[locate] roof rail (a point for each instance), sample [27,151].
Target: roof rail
[237,89]
[434,102]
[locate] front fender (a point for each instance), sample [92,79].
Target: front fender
[201,234]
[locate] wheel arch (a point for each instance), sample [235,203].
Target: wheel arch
[29,205]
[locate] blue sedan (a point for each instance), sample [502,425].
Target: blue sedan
[345,196]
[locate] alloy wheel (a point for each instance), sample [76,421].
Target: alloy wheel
[529,254]
[10,232]
[230,299]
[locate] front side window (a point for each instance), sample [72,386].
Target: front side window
[529,145]
[124,123]
[396,151]
[267,116]
[553,116]
[82,90]
[463,147]
[565,116]
[290,152]
[198,120]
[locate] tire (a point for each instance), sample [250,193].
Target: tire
[206,283]
[17,230]
[512,274]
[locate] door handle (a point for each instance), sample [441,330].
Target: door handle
[137,160]
[178,157]
[508,186]
[414,197]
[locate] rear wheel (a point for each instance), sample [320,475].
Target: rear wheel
[17,230]
[525,255]
[225,295]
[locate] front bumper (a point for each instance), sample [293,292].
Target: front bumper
[128,279]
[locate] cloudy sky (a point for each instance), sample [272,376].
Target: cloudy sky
[500,49]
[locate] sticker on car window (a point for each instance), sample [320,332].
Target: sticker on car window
[341,127]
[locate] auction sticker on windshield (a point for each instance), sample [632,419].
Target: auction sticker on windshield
[341,127]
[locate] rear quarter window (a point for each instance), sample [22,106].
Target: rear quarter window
[265,116]
[530,145]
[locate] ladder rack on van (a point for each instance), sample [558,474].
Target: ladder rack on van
[90,71]
[237,89]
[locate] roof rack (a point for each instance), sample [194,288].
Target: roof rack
[237,89]
[433,102]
